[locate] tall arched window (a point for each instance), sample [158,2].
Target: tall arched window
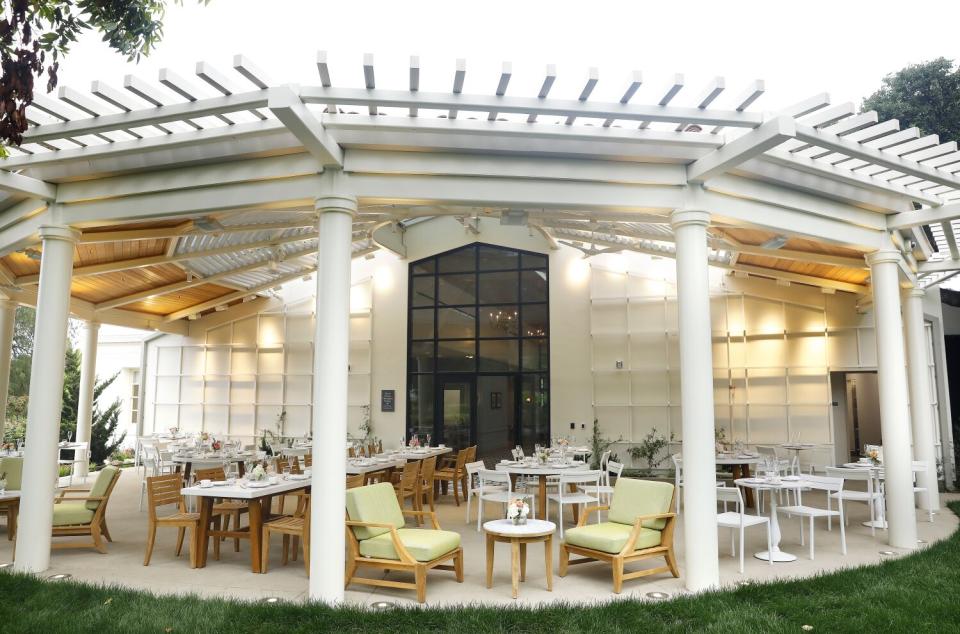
[478,349]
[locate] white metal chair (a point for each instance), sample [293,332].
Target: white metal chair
[922,466]
[585,481]
[737,520]
[495,486]
[81,454]
[605,489]
[677,478]
[832,486]
[871,497]
[473,486]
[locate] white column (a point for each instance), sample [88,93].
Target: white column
[702,570]
[8,315]
[88,379]
[924,438]
[330,365]
[894,414]
[46,388]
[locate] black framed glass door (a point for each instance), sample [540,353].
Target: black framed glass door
[478,348]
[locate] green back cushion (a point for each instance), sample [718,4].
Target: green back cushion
[632,498]
[100,486]
[375,503]
[13,467]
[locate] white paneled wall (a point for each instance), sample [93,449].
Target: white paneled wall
[772,359]
[237,378]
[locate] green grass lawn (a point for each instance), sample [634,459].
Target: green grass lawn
[918,593]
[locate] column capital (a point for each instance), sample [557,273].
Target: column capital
[681,217]
[92,325]
[336,202]
[883,256]
[7,303]
[59,232]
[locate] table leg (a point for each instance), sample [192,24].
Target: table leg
[490,543]
[774,553]
[523,561]
[542,498]
[187,466]
[202,534]
[255,518]
[241,469]
[743,471]
[548,560]
[515,566]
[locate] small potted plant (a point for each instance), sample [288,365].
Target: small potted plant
[517,511]
[258,474]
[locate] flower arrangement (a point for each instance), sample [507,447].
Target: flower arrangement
[415,441]
[217,445]
[562,442]
[517,510]
[543,455]
[258,473]
[174,431]
[874,456]
[204,436]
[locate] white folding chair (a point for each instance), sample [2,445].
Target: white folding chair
[737,520]
[582,482]
[871,497]
[495,486]
[922,466]
[832,486]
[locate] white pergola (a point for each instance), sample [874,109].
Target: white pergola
[154,203]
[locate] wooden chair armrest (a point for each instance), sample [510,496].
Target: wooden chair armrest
[629,547]
[368,524]
[431,514]
[590,509]
[85,498]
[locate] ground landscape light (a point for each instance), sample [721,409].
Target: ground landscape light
[658,595]
[383,605]
[59,576]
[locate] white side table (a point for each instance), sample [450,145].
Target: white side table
[519,535]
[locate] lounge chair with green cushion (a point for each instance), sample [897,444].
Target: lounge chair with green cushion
[639,525]
[377,538]
[82,511]
[11,469]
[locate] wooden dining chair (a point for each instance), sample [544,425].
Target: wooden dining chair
[407,487]
[307,460]
[425,486]
[296,526]
[454,475]
[161,491]
[223,510]
[354,480]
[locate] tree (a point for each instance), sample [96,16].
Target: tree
[102,440]
[36,34]
[924,95]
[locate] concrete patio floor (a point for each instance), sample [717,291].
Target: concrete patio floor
[231,576]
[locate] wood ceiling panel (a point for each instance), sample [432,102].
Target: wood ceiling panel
[825,271]
[100,252]
[157,224]
[20,264]
[166,304]
[756,237]
[99,288]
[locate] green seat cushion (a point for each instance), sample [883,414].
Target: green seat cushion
[610,537]
[423,544]
[72,512]
[633,498]
[13,467]
[100,486]
[376,503]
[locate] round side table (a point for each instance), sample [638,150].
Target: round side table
[518,536]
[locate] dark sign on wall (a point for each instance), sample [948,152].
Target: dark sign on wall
[388,400]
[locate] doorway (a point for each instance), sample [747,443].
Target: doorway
[856,409]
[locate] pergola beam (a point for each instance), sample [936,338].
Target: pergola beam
[21,185]
[753,143]
[528,105]
[186,229]
[287,107]
[907,219]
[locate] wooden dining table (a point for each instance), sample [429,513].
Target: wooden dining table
[259,511]
[515,468]
[187,462]
[10,500]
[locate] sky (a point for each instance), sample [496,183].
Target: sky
[800,49]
